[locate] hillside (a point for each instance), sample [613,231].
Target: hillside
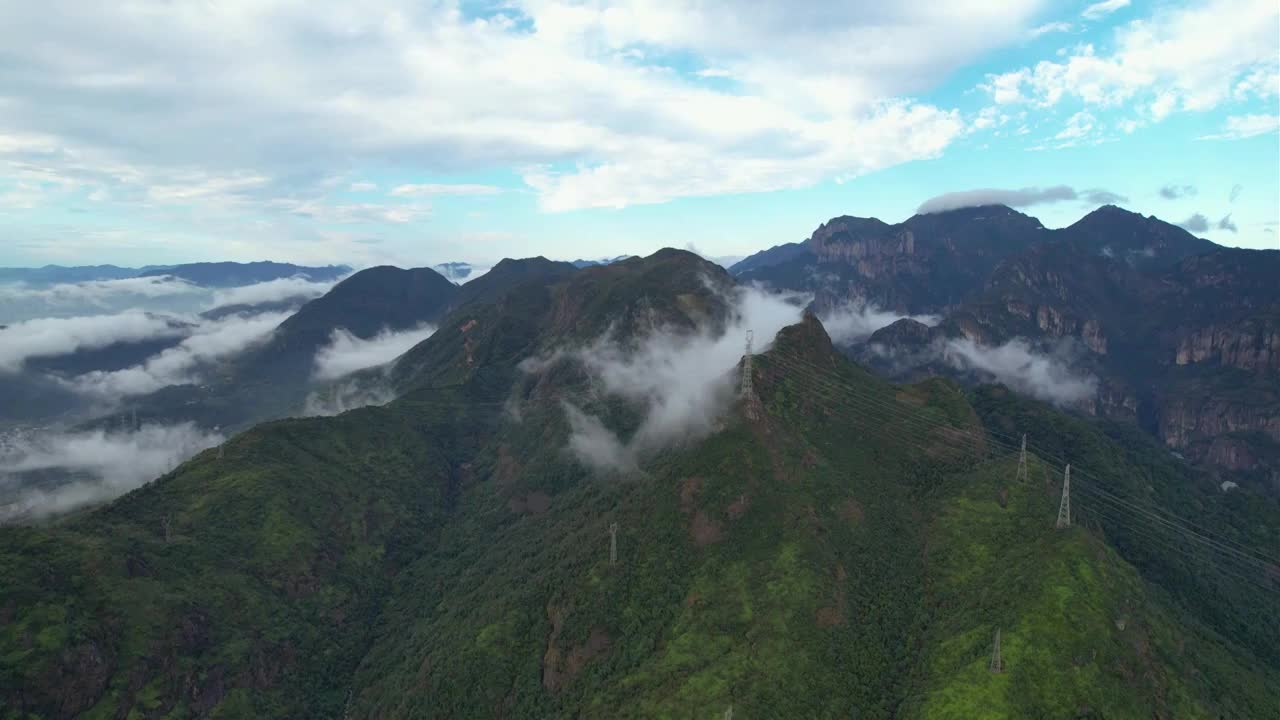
[834,545]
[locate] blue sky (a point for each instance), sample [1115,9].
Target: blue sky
[422,132]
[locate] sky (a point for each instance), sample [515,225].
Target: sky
[414,132]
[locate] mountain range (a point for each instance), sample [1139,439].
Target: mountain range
[578,497]
[1182,335]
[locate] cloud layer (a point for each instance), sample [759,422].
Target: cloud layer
[92,466]
[19,302]
[211,340]
[1026,197]
[682,381]
[1020,367]
[856,321]
[48,337]
[271,291]
[347,353]
[613,104]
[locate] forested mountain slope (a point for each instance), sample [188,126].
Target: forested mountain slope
[833,546]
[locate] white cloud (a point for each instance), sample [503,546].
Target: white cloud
[1104,8]
[856,321]
[98,465]
[821,91]
[337,398]
[1025,197]
[444,189]
[362,186]
[211,340]
[18,302]
[49,337]
[1077,127]
[684,381]
[271,291]
[1239,127]
[1017,365]
[1047,28]
[347,353]
[1188,58]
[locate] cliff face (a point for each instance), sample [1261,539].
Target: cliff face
[1251,344]
[926,263]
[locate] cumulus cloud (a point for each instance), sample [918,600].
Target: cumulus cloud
[1025,197]
[682,381]
[1197,223]
[210,340]
[1226,224]
[1173,192]
[818,91]
[856,321]
[90,467]
[271,291]
[49,337]
[347,353]
[1169,62]
[1020,367]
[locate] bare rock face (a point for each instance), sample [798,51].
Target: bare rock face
[1250,345]
[1188,422]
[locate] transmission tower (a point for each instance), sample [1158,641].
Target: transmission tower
[746,367]
[133,424]
[997,663]
[1022,460]
[728,714]
[222,451]
[164,522]
[1064,509]
[613,543]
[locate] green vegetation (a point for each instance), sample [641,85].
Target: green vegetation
[446,557]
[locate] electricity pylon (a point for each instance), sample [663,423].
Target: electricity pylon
[1064,509]
[746,367]
[997,663]
[613,543]
[1022,460]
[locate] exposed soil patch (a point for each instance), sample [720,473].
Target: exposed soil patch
[559,669]
[851,511]
[835,613]
[507,469]
[704,530]
[535,503]
[689,489]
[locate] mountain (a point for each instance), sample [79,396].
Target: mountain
[831,545]
[1179,333]
[602,261]
[917,266]
[458,272]
[55,274]
[231,274]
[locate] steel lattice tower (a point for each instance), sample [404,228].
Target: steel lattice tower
[1064,509]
